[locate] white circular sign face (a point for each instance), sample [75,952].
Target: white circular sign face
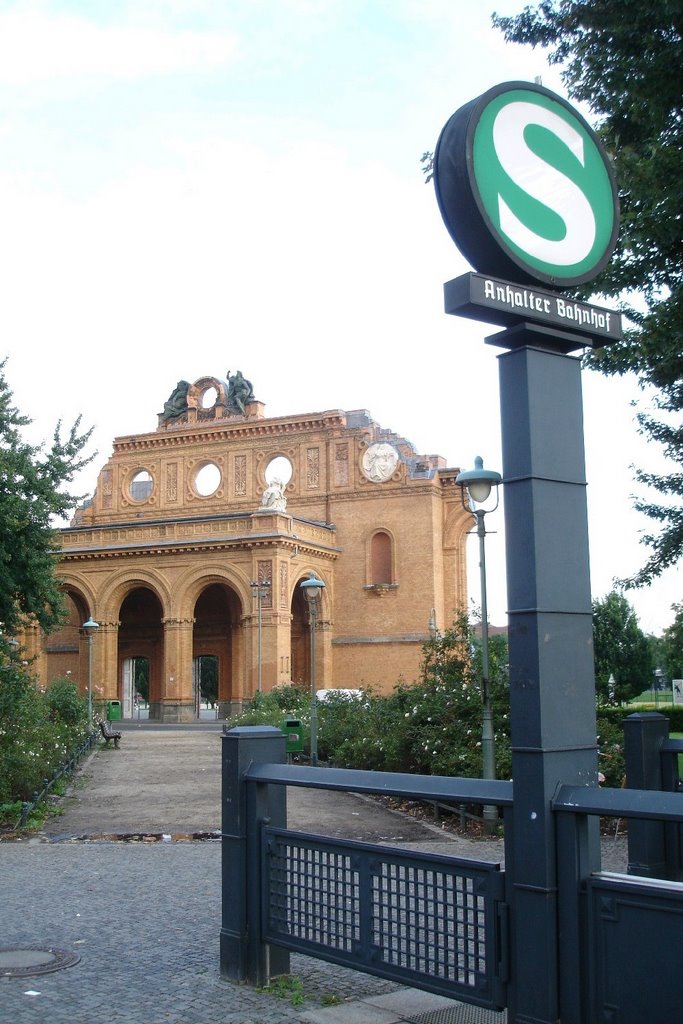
[525,187]
[379,462]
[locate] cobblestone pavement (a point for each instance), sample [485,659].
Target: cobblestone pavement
[144,918]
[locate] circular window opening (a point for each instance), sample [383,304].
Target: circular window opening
[209,398]
[141,486]
[207,479]
[279,468]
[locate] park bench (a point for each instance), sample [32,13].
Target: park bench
[110,734]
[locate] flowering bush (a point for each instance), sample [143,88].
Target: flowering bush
[37,730]
[432,727]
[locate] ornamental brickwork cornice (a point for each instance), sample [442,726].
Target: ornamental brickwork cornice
[138,540]
[229,431]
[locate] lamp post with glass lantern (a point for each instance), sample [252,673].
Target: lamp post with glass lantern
[312,587]
[90,628]
[259,589]
[478,483]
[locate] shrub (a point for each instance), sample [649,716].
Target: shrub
[65,704]
[611,748]
[37,731]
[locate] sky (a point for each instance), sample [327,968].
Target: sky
[190,187]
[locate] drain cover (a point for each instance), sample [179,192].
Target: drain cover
[24,961]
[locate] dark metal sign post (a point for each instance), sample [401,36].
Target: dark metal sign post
[552,687]
[509,169]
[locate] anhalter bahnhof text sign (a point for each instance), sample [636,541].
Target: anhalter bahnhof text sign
[494,301]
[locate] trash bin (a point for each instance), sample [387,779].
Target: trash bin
[294,735]
[113,710]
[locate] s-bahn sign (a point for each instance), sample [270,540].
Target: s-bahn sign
[525,188]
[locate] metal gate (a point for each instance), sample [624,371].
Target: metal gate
[441,923]
[635,935]
[434,922]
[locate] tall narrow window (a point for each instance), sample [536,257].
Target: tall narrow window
[380,558]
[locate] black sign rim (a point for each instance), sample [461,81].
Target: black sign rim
[463,211]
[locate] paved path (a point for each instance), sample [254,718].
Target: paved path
[144,914]
[167,780]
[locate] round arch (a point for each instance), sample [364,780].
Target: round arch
[191,583]
[217,615]
[121,582]
[380,557]
[64,651]
[300,642]
[140,640]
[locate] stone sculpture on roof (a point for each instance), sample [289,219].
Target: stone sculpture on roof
[176,404]
[240,392]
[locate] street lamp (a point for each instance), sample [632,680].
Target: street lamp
[478,483]
[90,627]
[259,589]
[312,588]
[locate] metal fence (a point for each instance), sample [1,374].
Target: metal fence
[442,923]
[63,771]
[420,920]
[433,922]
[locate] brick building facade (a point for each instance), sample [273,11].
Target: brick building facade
[187,518]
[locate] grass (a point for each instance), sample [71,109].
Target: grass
[287,986]
[10,816]
[678,736]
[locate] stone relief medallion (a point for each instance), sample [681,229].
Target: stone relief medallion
[379,462]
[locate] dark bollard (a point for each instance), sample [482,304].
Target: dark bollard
[644,734]
[243,957]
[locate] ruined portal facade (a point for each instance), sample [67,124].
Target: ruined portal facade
[186,520]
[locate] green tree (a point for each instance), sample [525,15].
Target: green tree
[623,59]
[621,650]
[671,646]
[141,677]
[32,479]
[208,678]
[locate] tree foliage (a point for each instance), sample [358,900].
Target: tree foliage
[623,59]
[32,479]
[621,650]
[671,646]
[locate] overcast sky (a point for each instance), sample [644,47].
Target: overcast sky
[189,187]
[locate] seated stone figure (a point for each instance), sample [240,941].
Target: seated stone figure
[240,392]
[177,403]
[274,496]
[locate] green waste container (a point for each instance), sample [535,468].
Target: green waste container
[294,735]
[113,710]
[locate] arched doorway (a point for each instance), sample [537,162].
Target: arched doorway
[65,651]
[300,642]
[141,650]
[205,672]
[217,613]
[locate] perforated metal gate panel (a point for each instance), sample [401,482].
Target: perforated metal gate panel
[433,922]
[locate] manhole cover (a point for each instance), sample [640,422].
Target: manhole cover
[24,961]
